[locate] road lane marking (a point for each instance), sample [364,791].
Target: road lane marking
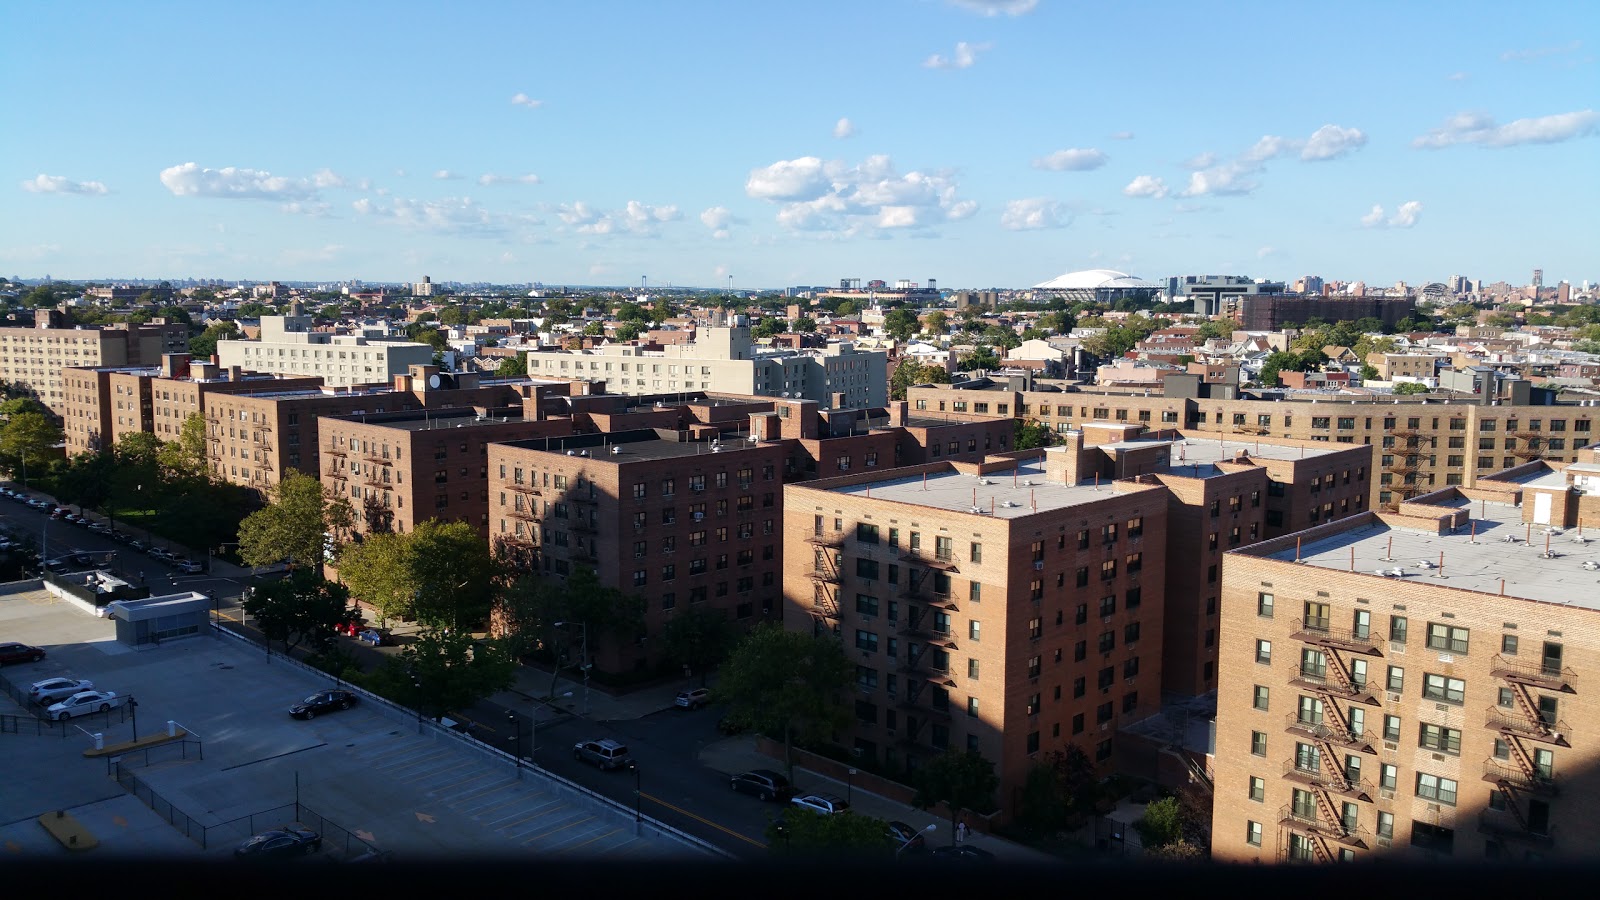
[702,820]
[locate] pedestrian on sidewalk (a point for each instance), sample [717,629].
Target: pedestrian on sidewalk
[961,832]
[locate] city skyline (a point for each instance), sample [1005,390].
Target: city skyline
[978,142]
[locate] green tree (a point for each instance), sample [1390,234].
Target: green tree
[1213,328]
[378,570]
[301,608]
[289,528]
[1001,336]
[961,779]
[787,682]
[22,404]
[1056,789]
[1031,434]
[595,329]
[452,671]
[901,324]
[936,322]
[204,345]
[804,832]
[85,480]
[452,315]
[804,325]
[911,372]
[628,331]
[697,639]
[1161,823]
[514,366]
[452,572]
[185,458]
[1406,388]
[1368,373]
[981,358]
[770,326]
[27,443]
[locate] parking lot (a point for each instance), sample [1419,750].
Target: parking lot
[408,787]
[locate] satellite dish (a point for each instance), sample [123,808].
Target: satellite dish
[434,380]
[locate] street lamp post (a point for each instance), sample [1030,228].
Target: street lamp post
[583,660]
[850,786]
[416,683]
[638,798]
[516,737]
[133,710]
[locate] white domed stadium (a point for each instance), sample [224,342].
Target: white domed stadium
[1096,284]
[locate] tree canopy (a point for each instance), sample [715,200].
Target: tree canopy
[289,528]
[786,682]
[960,779]
[911,372]
[303,607]
[901,324]
[697,639]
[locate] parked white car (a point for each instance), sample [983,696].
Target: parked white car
[55,690]
[85,702]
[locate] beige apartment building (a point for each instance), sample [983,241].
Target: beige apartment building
[288,346]
[685,519]
[1008,606]
[1423,444]
[1410,685]
[35,357]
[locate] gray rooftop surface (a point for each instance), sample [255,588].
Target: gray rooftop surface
[956,492]
[1472,562]
[632,445]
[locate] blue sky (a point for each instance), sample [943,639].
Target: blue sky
[979,143]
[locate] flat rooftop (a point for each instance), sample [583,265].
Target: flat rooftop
[625,446]
[431,420]
[1027,493]
[1495,546]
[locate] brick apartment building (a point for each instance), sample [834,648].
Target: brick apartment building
[1424,444]
[682,518]
[34,357]
[1001,606]
[1410,685]
[401,468]
[257,436]
[104,403]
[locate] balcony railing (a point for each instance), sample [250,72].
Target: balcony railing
[1323,633]
[1325,731]
[1543,674]
[1497,772]
[1318,680]
[1510,722]
[1502,824]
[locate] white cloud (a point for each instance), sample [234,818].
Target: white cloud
[1034,213]
[636,218]
[1226,178]
[1146,186]
[521,99]
[448,215]
[1457,76]
[1265,252]
[1332,142]
[1478,128]
[965,55]
[446,175]
[1404,217]
[1073,160]
[490,179]
[844,128]
[1236,176]
[316,209]
[56,184]
[190,180]
[991,8]
[839,197]
[1540,52]
[718,218]
[1122,135]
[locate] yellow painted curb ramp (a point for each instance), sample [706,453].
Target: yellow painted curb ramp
[66,829]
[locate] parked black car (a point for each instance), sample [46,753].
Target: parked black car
[763,783]
[290,840]
[322,701]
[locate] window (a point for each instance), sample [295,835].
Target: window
[1388,776]
[1316,616]
[1391,728]
[866,534]
[977,552]
[1261,695]
[1439,790]
[1440,739]
[1080,686]
[1442,687]
[1264,605]
[1258,743]
[1264,652]
[1397,629]
[1508,644]
[972,707]
[1447,638]
[972,669]
[1395,680]
[866,641]
[866,605]
[1258,789]
[1252,833]
[1386,825]
[974,629]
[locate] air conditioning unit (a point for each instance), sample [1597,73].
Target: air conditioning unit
[1038,565]
[699,515]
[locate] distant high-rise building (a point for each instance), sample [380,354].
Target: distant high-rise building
[1538,279]
[1564,292]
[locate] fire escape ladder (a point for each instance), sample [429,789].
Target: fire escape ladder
[1336,666]
[1512,806]
[1520,754]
